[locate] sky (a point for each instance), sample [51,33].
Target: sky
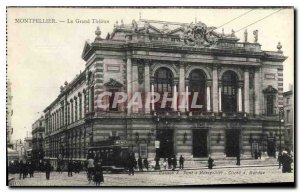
[41,57]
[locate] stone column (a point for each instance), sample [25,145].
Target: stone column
[215,91]
[187,97]
[246,91]
[240,101]
[129,87]
[208,97]
[174,102]
[220,97]
[135,86]
[83,103]
[147,85]
[257,82]
[181,85]
[152,97]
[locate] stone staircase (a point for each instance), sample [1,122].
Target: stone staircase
[231,162]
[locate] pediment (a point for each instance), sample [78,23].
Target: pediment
[177,31]
[87,47]
[113,83]
[151,29]
[270,89]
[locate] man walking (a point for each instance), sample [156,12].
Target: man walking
[48,170]
[90,167]
[140,163]
[210,162]
[70,169]
[181,162]
[131,164]
[174,162]
[20,168]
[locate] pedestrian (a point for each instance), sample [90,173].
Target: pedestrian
[255,154]
[259,154]
[131,164]
[98,178]
[25,169]
[279,159]
[48,169]
[210,162]
[70,169]
[169,162]
[90,167]
[146,163]
[140,163]
[165,163]
[20,169]
[181,162]
[238,159]
[286,160]
[31,169]
[174,162]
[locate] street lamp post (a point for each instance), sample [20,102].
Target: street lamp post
[281,111]
[281,122]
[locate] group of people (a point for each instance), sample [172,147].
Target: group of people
[24,169]
[94,169]
[141,164]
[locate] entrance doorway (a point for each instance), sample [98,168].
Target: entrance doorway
[166,143]
[200,142]
[232,142]
[271,147]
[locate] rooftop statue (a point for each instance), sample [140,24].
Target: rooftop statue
[199,34]
[134,26]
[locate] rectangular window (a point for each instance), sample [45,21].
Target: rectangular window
[270,104]
[76,110]
[92,98]
[80,107]
[288,114]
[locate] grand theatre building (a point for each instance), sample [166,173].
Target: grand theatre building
[239,86]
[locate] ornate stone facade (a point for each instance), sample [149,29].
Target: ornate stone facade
[234,119]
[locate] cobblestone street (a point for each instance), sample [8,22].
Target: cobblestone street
[165,178]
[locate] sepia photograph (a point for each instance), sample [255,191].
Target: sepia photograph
[150,96]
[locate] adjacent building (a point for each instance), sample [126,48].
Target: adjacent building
[289,119]
[240,89]
[38,135]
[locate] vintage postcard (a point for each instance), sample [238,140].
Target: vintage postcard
[150,96]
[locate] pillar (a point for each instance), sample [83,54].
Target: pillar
[220,97]
[174,102]
[240,101]
[216,107]
[246,91]
[135,86]
[152,97]
[187,97]
[208,98]
[181,85]
[147,84]
[128,72]
[257,82]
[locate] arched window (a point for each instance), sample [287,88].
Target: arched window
[197,83]
[229,92]
[163,82]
